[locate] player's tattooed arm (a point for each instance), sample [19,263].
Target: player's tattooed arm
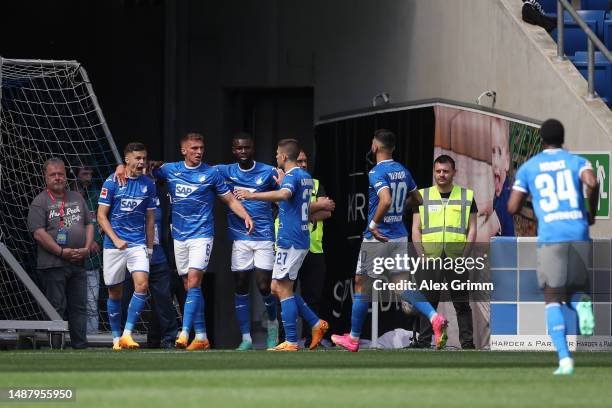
[150,229]
[416,234]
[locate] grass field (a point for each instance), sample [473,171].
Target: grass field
[148,379]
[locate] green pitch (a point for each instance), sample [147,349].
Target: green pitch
[147,379]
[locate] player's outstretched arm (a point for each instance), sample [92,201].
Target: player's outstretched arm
[238,209]
[271,196]
[592,191]
[103,211]
[384,203]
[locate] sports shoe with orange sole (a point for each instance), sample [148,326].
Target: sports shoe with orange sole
[284,346]
[127,342]
[318,333]
[117,347]
[199,345]
[181,342]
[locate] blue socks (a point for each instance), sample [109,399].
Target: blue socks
[114,316]
[243,312]
[307,314]
[199,323]
[135,307]
[358,314]
[289,314]
[270,302]
[417,299]
[192,304]
[556,329]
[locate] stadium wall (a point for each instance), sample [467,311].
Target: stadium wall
[454,50]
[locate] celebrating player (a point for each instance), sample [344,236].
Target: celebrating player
[292,243]
[131,208]
[385,237]
[555,180]
[254,251]
[192,186]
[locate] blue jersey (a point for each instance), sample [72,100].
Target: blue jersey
[293,213]
[128,208]
[259,178]
[159,256]
[553,179]
[192,191]
[392,175]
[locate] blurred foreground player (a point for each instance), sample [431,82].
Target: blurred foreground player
[555,180]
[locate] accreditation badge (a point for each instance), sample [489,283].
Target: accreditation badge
[62,237]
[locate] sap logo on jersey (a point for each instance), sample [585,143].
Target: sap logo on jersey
[183,190]
[129,204]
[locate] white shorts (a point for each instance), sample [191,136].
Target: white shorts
[373,251]
[288,262]
[115,262]
[247,255]
[192,253]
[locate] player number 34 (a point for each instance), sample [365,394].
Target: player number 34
[552,192]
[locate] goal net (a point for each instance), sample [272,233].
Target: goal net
[48,109]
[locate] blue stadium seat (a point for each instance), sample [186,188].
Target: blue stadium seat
[549,6]
[575,38]
[603,73]
[607,36]
[594,5]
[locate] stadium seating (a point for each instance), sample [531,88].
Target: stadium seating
[575,39]
[603,73]
[592,4]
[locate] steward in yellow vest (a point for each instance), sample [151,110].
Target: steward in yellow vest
[444,222]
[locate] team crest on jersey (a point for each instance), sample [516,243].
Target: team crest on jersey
[259,181]
[103,192]
[128,204]
[144,189]
[184,190]
[202,178]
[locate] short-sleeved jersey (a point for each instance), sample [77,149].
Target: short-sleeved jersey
[259,178]
[293,213]
[192,191]
[553,179]
[392,175]
[128,208]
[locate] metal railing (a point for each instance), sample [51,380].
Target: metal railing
[592,40]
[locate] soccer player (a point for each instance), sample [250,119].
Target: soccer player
[254,251]
[292,243]
[391,184]
[192,186]
[555,180]
[126,214]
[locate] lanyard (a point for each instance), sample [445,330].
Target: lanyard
[61,209]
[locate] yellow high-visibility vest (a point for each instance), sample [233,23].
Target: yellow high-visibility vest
[443,224]
[316,229]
